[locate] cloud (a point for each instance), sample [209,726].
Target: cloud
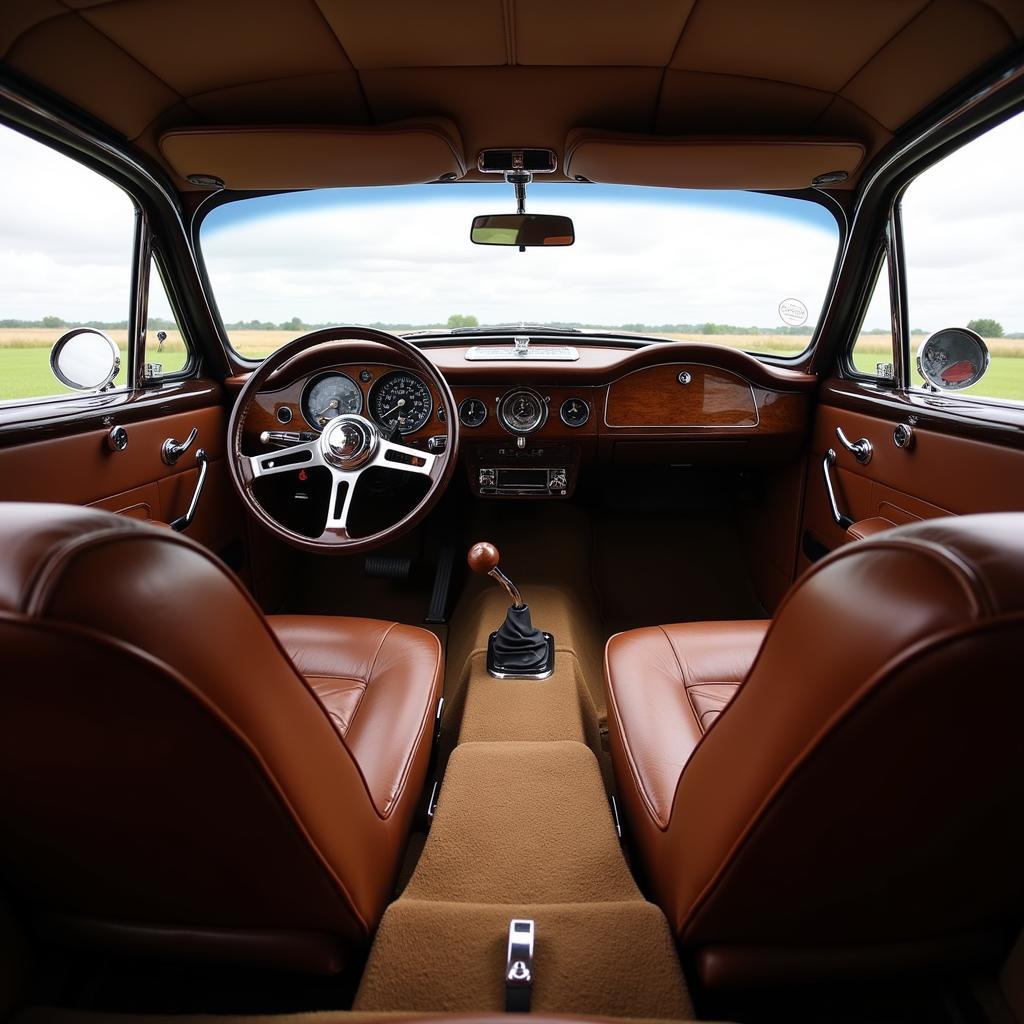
[667,259]
[647,255]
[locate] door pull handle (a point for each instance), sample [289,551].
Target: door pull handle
[838,515]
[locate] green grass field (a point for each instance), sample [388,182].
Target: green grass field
[25,362]
[25,370]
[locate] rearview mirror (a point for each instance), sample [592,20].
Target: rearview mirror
[522,229]
[953,359]
[85,359]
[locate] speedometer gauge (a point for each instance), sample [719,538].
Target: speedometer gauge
[401,401]
[328,396]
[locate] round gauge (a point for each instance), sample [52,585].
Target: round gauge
[522,411]
[401,401]
[574,412]
[328,396]
[472,412]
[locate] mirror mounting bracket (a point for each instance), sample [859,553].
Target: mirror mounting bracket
[519,179]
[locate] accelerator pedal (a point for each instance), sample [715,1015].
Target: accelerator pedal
[386,567]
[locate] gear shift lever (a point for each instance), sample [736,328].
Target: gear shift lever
[518,650]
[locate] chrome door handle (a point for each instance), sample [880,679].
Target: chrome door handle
[840,517]
[861,449]
[185,521]
[171,450]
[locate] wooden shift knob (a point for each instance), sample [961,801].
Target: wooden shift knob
[483,557]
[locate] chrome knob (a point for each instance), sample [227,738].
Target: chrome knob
[117,439]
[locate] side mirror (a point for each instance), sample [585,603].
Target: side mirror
[522,229]
[85,359]
[953,359]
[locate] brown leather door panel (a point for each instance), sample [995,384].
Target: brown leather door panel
[80,469]
[940,474]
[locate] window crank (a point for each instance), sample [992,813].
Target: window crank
[861,449]
[171,450]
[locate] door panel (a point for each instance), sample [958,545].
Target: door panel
[80,469]
[941,474]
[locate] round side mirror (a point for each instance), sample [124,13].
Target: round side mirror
[85,359]
[953,359]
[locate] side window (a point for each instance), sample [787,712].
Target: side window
[66,241]
[872,351]
[963,221]
[166,346]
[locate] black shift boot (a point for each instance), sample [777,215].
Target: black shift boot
[518,647]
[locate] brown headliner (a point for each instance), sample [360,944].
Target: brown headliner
[508,72]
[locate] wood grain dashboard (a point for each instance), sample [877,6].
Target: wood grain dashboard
[689,394]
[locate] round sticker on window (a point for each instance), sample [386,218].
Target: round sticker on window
[792,312]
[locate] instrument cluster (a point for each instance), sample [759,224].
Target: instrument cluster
[398,401]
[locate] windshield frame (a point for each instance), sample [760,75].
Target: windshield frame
[447,337]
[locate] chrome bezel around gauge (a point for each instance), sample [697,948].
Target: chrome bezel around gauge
[569,423]
[509,397]
[307,411]
[381,383]
[475,422]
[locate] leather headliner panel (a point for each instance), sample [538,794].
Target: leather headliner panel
[508,72]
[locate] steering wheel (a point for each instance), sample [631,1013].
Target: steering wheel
[347,447]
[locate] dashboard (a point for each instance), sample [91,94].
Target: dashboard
[533,429]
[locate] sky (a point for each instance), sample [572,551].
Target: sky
[403,255]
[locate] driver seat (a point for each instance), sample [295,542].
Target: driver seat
[182,776]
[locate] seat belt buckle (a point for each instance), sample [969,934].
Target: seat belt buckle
[519,966]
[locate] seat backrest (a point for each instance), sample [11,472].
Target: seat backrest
[167,777]
[865,787]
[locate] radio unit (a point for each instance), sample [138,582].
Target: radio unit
[514,481]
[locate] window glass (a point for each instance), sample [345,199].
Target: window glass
[165,344]
[874,342]
[66,240]
[963,222]
[742,269]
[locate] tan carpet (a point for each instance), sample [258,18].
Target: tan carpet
[522,823]
[522,709]
[607,959]
[524,830]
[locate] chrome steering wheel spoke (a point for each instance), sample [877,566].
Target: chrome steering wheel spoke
[343,489]
[391,455]
[295,457]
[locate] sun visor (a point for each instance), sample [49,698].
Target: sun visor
[727,162]
[268,158]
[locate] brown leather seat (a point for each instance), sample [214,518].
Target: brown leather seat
[179,774]
[856,807]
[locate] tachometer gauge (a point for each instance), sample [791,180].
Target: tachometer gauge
[401,401]
[328,396]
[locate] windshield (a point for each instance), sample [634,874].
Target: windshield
[737,268]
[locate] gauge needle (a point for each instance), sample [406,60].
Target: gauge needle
[332,404]
[401,403]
